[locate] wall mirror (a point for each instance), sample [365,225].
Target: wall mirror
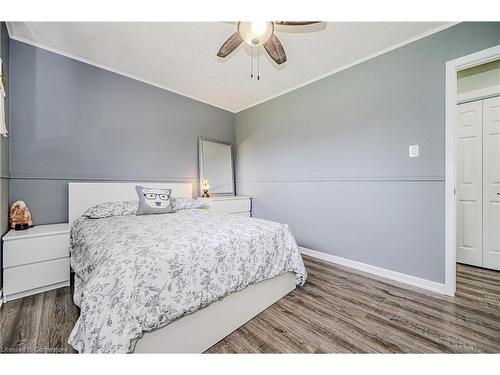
[216,166]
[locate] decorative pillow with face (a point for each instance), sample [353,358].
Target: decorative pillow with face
[154,201]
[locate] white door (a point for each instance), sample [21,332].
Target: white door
[491,182]
[469,186]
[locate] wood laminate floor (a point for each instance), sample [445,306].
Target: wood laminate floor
[339,310]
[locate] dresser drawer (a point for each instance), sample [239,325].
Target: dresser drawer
[35,249]
[31,276]
[229,206]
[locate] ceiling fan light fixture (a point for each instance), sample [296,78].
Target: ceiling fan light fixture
[255,33]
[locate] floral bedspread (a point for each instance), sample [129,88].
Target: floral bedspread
[134,274]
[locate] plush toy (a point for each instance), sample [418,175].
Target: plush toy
[20,216]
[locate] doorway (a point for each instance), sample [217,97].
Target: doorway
[472,163]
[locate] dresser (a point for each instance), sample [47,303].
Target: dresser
[230,204]
[35,260]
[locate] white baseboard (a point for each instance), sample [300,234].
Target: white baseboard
[1,297]
[378,271]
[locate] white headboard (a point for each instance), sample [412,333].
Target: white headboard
[83,195]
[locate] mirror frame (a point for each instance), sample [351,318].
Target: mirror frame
[200,165]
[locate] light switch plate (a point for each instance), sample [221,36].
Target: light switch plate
[413,151]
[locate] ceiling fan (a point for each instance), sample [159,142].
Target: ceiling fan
[258,34]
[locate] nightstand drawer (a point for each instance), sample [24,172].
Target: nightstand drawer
[31,276]
[35,249]
[229,206]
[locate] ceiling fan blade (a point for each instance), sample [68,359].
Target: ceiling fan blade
[295,23]
[275,49]
[230,45]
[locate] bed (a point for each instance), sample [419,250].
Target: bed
[171,283]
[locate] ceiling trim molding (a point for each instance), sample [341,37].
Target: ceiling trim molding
[347,66]
[9,30]
[116,71]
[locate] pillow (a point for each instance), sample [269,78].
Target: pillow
[187,203]
[109,209]
[153,201]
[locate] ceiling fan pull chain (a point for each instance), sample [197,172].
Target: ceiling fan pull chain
[258,63]
[251,63]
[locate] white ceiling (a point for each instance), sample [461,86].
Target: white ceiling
[181,56]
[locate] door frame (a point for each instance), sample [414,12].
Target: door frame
[452,68]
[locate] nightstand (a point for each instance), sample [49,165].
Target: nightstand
[229,204]
[35,260]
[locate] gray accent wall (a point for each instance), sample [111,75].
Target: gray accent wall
[331,158]
[4,146]
[75,122]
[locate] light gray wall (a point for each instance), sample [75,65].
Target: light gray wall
[331,158]
[74,121]
[4,145]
